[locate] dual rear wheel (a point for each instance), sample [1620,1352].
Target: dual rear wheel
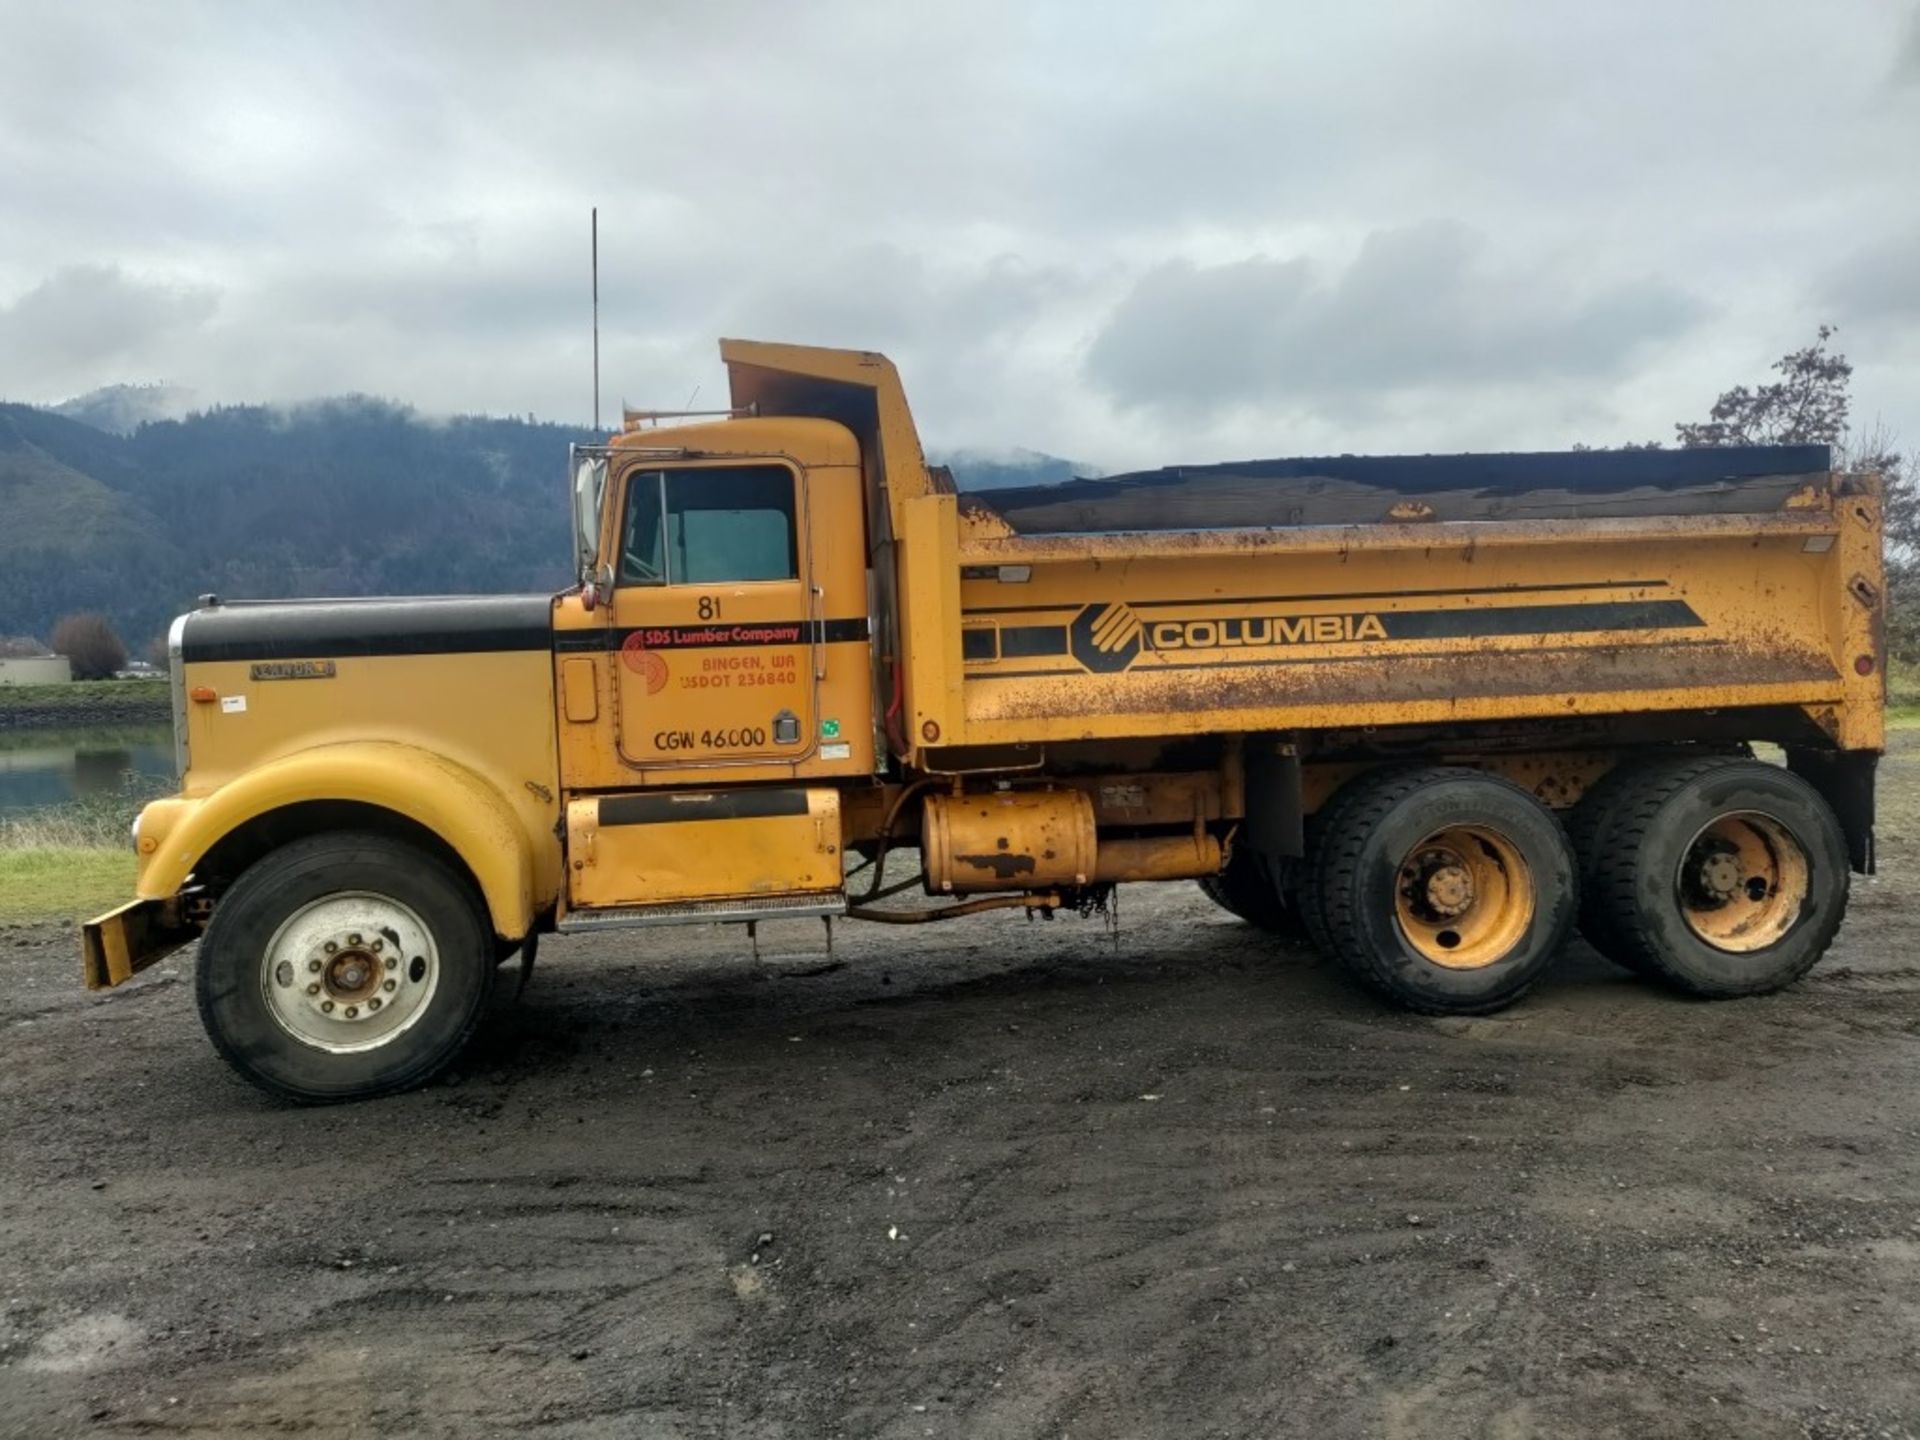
[1717,875]
[1449,890]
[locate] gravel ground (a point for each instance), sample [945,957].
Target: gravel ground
[998,1179]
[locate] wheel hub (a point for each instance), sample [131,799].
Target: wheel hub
[353,974]
[1719,876]
[1450,890]
[1439,884]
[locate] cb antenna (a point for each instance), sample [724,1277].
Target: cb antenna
[596,319]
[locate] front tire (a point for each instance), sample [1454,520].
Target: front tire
[344,966]
[1446,890]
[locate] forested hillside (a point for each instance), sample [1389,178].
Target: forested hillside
[341,497]
[346,497]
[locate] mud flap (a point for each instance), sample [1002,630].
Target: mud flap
[116,946]
[1845,782]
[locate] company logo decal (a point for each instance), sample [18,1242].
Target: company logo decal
[1109,638]
[1105,638]
[291,670]
[649,664]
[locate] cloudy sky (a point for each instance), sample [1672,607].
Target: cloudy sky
[1127,233]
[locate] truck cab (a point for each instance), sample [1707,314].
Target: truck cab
[719,637]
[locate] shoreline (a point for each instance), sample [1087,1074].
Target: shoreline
[85,703]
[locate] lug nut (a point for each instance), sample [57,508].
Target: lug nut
[392,962]
[326,1007]
[374,1003]
[352,1011]
[332,946]
[354,939]
[314,989]
[376,946]
[390,985]
[314,966]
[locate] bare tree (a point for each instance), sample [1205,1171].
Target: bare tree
[89,641]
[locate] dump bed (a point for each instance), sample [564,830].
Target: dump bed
[1393,593]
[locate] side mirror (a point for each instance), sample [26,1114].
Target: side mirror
[589,467]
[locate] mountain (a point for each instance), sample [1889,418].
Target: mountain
[351,496]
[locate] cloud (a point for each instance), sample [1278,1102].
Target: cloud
[1418,308]
[1160,235]
[1877,287]
[85,319]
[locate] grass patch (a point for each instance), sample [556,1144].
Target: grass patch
[63,883]
[1903,693]
[71,862]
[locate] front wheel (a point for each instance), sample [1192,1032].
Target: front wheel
[344,966]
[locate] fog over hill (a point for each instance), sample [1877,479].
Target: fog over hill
[123,409]
[121,501]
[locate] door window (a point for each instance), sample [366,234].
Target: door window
[709,526]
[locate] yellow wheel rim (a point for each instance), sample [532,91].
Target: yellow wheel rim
[1743,882]
[1464,897]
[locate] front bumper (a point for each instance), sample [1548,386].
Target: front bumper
[116,946]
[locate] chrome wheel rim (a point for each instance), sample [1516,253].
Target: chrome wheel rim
[350,972]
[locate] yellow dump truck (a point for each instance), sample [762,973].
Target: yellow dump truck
[1429,712]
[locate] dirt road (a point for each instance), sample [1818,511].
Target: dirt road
[1005,1180]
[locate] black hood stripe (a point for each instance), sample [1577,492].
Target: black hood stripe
[342,629]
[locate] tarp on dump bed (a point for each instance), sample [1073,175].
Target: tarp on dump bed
[1376,489]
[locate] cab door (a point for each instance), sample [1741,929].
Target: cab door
[716,618]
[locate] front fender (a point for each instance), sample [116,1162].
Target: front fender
[450,800]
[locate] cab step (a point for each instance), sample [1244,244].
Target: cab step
[706,912]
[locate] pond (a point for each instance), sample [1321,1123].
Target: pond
[44,769]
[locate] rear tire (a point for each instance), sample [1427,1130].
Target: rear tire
[1446,890]
[1721,879]
[344,966]
[1588,825]
[1245,888]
